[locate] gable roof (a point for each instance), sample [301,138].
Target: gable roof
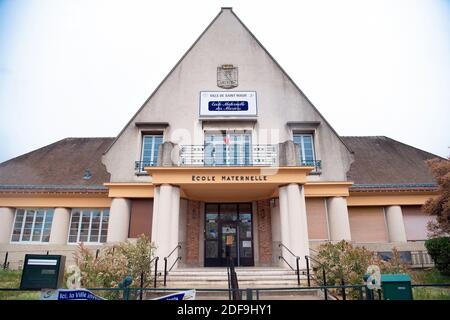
[59,165]
[262,47]
[382,162]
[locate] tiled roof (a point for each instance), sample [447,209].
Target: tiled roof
[63,164]
[384,162]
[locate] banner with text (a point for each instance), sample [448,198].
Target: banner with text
[228,103]
[69,294]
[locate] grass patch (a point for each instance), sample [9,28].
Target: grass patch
[431,293]
[11,279]
[430,276]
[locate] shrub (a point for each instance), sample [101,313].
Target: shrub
[344,261]
[113,264]
[439,250]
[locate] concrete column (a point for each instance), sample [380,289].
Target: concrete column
[395,225]
[339,224]
[60,226]
[155,219]
[119,220]
[284,223]
[6,224]
[163,222]
[298,223]
[174,223]
[276,232]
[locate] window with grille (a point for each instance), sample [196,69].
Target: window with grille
[89,225]
[32,225]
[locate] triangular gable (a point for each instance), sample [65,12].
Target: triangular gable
[265,51]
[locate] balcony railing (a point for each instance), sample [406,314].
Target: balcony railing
[220,155]
[211,155]
[140,165]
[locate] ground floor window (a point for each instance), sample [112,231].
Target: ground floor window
[89,225]
[32,225]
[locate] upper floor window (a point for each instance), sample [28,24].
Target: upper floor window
[150,144]
[32,225]
[306,146]
[89,225]
[228,149]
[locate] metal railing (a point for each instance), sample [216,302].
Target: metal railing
[229,155]
[140,165]
[324,274]
[209,155]
[166,272]
[233,285]
[297,259]
[155,266]
[129,293]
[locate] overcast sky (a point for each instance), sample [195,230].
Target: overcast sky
[82,68]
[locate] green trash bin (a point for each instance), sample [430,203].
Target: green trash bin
[396,287]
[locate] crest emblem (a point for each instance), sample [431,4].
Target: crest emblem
[227,76]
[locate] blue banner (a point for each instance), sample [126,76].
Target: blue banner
[69,294]
[228,106]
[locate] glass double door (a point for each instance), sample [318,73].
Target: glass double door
[227,149]
[228,223]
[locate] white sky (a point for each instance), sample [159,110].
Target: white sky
[81,68]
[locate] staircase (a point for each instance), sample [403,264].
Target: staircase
[248,277]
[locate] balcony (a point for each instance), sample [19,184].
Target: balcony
[230,155]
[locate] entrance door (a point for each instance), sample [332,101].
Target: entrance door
[232,220]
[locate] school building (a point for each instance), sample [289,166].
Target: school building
[226,146]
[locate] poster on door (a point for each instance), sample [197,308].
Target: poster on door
[228,230]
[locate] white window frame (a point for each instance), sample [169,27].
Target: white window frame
[143,135]
[303,147]
[91,210]
[44,220]
[228,134]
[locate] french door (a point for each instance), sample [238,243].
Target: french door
[228,149]
[232,221]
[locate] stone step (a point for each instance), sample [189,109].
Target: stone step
[304,294]
[224,284]
[250,277]
[239,273]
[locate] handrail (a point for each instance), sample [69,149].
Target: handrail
[324,275]
[178,246]
[165,262]
[282,258]
[282,245]
[233,285]
[297,259]
[155,277]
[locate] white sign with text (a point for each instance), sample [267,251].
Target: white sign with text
[228,103]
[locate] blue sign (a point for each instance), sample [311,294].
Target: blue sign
[69,294]
[227,106]
[182,295]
